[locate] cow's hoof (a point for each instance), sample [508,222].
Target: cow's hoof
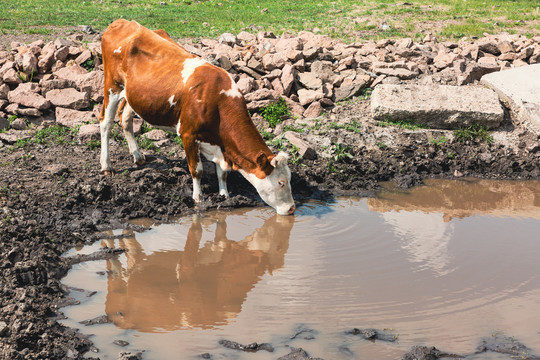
[141,162]
[108,172]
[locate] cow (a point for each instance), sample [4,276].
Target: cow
[149,75]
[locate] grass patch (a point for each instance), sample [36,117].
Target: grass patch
[473,132]
[438,141]
[402,124]
[276,112]
[345,19]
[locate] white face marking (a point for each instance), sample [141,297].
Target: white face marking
[275,189]
[189,67]
[118,51]
[171,100]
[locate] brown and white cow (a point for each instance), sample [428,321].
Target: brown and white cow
[152,76]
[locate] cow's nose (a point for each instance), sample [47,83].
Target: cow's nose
[291,210]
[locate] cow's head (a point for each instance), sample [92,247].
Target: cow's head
[275,186]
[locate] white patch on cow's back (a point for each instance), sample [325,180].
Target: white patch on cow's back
[233,91]
[189,67]
[171,100]
[213,153]
[118,51]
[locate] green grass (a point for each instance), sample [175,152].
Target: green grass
[275,112]
[473,133]
[402,124]
[346,19]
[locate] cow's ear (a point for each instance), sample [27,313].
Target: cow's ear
[280,159]
[262,160]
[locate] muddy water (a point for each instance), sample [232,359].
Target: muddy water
[445,265]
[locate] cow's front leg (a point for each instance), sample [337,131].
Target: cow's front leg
[126,118]
[222,181]
[110,105]
[195,165]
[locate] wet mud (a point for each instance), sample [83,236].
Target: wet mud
[43,214]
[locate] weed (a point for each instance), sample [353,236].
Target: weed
[450,154]
[55,133]
[12,118]
[293,128]
[330,167]
[89,64]
[277,142]
[438,141]
[267,135]
[93,144]
[402,124]
[353,126]
[341,152]
[473,132]
[296,158]
[365,93]
[178,141]
[382,145]
[275,112]
[146,143]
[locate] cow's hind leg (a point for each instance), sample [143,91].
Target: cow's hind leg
[110,105]
[127,126]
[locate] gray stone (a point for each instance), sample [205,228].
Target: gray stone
[401,73]
[4,328]
[441,107]
[227,38]
[48,85]
[4,90]
[12,136]
[92,84]
[83,57]
[306,96]
[475,72]
[19,124]
[4,124]
[72,73]
[309,80]
[89,132]
[304,149]
[349,90]
[71,118]
[520,88]
[155,135]
[29,99]
[69,98]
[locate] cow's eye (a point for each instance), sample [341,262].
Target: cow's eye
[281,183]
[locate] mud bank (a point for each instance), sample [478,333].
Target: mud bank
[52,198]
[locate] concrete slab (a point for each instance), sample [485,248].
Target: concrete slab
[437,106]
[520,89]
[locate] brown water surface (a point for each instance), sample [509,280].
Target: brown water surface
[445,265]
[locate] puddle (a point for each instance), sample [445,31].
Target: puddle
[445,265]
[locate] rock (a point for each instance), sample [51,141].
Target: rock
[62,53]
[155,135]
[274,61]
[246,85]
[92,84]
[522,95]
[349,90]
[423,353]
[4,329]
[474,72]
[28,98]
[227,38]
[4,91]
[12,136]
[48,85]
[130,356]
[306,96]
[29,63]
[402,73]
[262,94]
[297,354]
[283,45]
[314,110]
[71,118]
[246,37]
[89,132]
[489,46]
[19,124]
[83,57]
[119,342]
[56,169]
[69,98]
[253,347]
[506,47]
[309,80]
[304,149]
[4,123]
[287,78]
[11,77]
[72,73]
[442,107]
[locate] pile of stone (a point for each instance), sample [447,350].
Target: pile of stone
[310,71]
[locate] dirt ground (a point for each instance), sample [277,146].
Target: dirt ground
[53,197]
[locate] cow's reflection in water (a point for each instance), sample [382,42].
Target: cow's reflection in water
[199,287]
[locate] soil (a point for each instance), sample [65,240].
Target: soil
[53,197]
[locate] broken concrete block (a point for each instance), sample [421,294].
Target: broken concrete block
[440,107]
